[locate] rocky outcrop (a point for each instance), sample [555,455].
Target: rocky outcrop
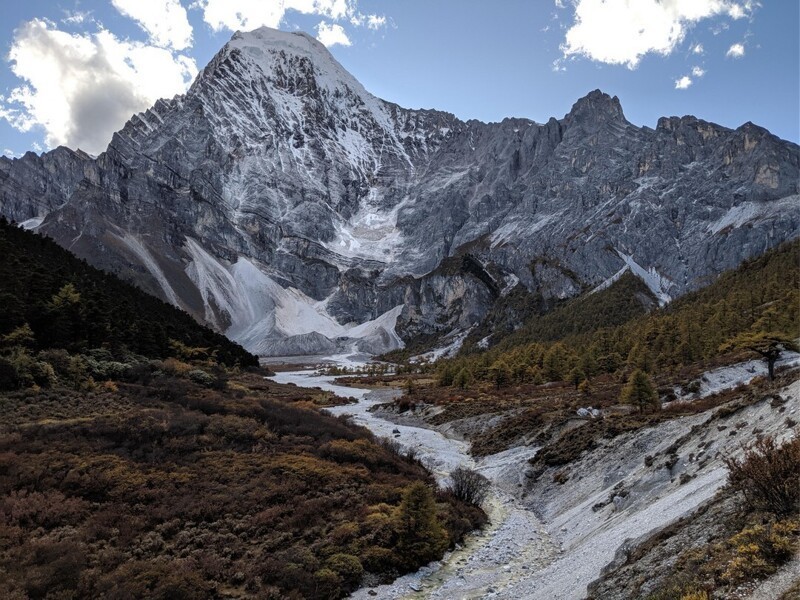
[277,185]
[33,186]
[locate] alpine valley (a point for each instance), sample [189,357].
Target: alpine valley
[548,361]
[281,203]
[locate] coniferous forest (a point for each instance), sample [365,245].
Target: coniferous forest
[611,331]
[70,305]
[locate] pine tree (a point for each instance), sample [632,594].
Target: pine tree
[555,362]
[576,376]
[21,336]
[500,373]
[463,379]
[446,375]
[421,538]
[639,391]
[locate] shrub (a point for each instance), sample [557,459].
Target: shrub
[768,475]
[30,371]
[200,377]
[46,509]
[238,430]
[54,568]
[174,366]
[327,584]
[70,370]
[469,486]
[106,369]
[155,580]
[378,560]
[9,380]
[760,549]
[348,567]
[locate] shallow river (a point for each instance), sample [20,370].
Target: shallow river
[510,549]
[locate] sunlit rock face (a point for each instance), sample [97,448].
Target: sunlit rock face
[282,203]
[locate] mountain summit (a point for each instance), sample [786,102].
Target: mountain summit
[282,203]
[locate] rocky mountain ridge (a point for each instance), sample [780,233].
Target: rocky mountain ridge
[282,203]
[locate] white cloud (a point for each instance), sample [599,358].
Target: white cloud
[621,32]
[76,17]
[685,81]
[80,88]
[735,51]
[332,34]
[164,21]
[9,153]
[698,49]
[376,21]
[250,14]
[737,12]
[246,15]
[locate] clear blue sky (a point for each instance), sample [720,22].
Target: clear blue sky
[727,61]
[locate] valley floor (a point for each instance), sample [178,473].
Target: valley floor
[554,532]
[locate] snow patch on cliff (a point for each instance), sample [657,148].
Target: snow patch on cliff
[265,317]
[137,248]
[371,233]
[31,224]
[657,283]
[746,212]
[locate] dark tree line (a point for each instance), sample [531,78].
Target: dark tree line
[68,304]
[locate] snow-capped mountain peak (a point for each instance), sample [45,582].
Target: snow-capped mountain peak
[278,189]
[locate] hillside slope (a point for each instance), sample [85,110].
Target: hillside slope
[70,305]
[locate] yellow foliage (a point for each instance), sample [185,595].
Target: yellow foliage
[759,549]
[189,353]
[176,367]
[234,386]
[347,451]
[314,470]
[382,509]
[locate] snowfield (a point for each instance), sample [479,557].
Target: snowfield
[268,319]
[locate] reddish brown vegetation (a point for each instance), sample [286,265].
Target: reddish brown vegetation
[173,490]
[768,475]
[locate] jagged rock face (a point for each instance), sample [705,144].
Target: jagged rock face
[33,186]
[281,202]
